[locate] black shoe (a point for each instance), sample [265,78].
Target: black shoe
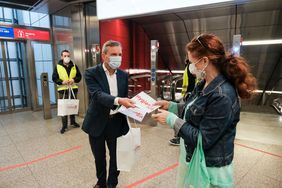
[99,186]
[76,125]
[175,141]
[63,131]
[111,186]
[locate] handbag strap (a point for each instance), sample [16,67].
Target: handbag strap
[199,141]
[64,94]
[71,92]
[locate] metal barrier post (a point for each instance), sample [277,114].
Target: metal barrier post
[154,58]
[154,62]
[45,96]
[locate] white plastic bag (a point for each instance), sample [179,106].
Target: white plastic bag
[127,148]
[68,106]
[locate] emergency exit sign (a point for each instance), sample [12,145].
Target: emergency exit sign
[31,34]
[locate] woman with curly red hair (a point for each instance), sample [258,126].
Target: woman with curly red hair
[212,110]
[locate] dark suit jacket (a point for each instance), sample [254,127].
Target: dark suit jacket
[101,102]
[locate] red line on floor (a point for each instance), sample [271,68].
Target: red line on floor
[175,165]
[152,176]
[276,155]
[40,159]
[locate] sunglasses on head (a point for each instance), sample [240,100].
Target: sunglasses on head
[203,44]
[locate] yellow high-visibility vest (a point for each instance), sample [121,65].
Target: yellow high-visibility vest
[63,75]
[185,81]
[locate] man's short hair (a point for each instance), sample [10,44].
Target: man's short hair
[110,43]
[64,51]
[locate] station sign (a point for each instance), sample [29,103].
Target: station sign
[28,34]
[6,32]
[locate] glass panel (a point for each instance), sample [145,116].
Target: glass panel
[44,63]
[15,80]
[16,88]
[37,52]
[18,102]
[67,21]
[39,90]
[59,20]
[46,50]
[23,17]
[1,14]
[3,91]
[11,51]
[34,19]
[8,16]
[14,72]
[3,105]
[2,71]
[44,20]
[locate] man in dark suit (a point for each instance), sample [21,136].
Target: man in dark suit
[108,88]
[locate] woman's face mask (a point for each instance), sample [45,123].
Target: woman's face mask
[200,74]
[115,62]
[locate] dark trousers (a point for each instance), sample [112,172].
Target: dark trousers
[99,151]
[72,117]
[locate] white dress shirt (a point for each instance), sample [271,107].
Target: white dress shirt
[112,81]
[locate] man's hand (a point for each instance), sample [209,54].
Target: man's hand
[71,81]
[65,82]
[161,116]
[126,102]
[163,103]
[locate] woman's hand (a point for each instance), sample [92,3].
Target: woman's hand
[163,103]
[161,116]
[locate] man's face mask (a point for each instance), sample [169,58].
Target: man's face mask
[66,60]
[115,62]
[200,74]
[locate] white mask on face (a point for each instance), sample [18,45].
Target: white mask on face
[200,74]
[115,62]
[66,60]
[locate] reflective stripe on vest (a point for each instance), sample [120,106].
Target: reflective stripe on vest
[63,75]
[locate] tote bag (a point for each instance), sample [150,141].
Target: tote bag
[197,176]
[68,106]
[127,148]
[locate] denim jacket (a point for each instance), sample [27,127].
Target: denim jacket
[215,113]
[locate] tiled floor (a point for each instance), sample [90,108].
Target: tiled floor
[34,154]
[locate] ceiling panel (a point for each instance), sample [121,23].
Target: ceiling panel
[261,19]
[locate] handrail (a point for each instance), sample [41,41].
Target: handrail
[260,101]
[174,86]
[140,76]
[166,82]
[264,101]
[171,83]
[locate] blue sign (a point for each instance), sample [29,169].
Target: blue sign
[6,32]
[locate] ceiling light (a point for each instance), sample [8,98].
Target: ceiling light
[108,9]
[261,42]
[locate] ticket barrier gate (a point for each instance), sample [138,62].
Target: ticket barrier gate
[45,96]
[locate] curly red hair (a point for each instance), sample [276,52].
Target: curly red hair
[235,69]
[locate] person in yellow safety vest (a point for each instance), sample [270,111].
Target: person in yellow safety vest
[66,74]
[188,85]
